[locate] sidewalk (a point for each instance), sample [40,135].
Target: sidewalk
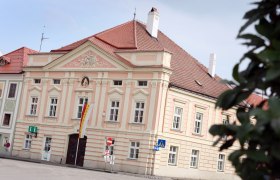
[78,167]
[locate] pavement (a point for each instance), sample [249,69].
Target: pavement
[14,168]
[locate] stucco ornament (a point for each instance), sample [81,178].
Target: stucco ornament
[88,61]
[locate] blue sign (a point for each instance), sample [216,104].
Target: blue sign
[156,148]
[161,143]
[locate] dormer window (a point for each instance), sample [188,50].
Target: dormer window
[37,81]
[143,83]
[4,60]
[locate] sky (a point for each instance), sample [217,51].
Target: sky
[200,27]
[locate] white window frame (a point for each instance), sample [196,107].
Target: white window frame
[177,118]
[3,89]
[139,110]
[9,90]
[55,80]
[142,86]
[10,122]
[27,138]
[135,149]
[80,105]
[221,163]
[113,83]
[53,107]
[37,79]
[194,158]
[172,156]
[198,123]
[115,109]
[32,104]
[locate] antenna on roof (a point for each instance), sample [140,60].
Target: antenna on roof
[134,14]
[42,38]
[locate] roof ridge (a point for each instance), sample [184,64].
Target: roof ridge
[112,28]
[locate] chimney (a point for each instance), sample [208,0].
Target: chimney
[153,22]
[212,64]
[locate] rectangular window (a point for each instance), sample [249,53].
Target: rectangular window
[225,122]
[177,118]
[194,158]
[198,122]
[33,105]
[172,159]
[53,107]
[47,145]
[56,81]
[37,81]
[7,119]
[221,162]
[114,110]
[139,112]
[117,83]
[82,101]
[142,83]
[1,89]
[27,141]
[134,150]
[12,90]
[110,148]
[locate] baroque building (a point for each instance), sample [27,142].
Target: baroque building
[145,89]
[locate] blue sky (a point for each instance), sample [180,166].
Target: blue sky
[198,26]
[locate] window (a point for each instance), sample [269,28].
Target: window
[177,117]
[37,81]
[56,81]
[198,123]
[1,89]
[7,119]
[53,106]
[82,101]
[33,106]
[142,83]
[221,162]
[12,90]
[117,83]
[225,122]
[47,145]
[172,160]
[27,141]
[139,111]
[194,158]
[114,110]
[110,148]
[134,150]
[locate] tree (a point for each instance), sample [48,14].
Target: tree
[259,154]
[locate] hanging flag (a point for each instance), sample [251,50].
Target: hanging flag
[87,109]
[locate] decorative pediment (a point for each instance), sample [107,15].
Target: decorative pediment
[35,88]
[140,91]
[54,88]
[89,59]
[115,90]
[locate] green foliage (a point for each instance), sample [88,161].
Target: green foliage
[259,153]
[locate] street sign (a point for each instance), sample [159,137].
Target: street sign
[109,141]
[32,129]
[156,148]
[161,143]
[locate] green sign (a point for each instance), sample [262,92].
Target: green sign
[32,129]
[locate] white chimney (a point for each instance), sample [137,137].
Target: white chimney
[153,22]
[212,64]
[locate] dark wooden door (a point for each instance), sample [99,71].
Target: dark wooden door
[72,147]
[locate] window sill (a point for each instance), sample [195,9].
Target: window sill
[51,117]
[199,135]
[137,124]
[5,127]
[172,164]
[193,167]
[176,130]
[133,159]
[109,121]
[30,115]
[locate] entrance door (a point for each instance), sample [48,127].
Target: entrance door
[72,148]
[46,154]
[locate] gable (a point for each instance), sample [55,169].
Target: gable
[86,57]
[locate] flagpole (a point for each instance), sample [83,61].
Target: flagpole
[77,149]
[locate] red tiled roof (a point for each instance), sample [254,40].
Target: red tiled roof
[255,99]
[18,59]
[187,72]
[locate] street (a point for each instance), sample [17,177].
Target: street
[15,170]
